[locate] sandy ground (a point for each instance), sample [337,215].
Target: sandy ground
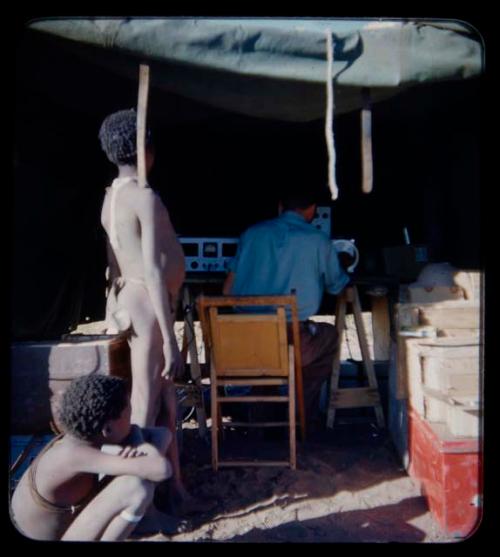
[349,487]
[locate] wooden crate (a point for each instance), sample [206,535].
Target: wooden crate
[449,318]
[450,366]
[462,415]
[429,370]
[41,371]
[452,374]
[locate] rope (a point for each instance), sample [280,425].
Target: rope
[329,116]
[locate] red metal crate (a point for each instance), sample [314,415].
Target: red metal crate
[450,471]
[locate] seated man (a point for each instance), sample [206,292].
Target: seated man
[286,254]
[60,497]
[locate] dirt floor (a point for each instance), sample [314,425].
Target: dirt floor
[349,487]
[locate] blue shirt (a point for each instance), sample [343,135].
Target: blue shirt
[279,255]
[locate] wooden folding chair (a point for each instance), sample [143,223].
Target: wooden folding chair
[252,349]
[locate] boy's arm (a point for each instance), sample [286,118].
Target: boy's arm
[159,437]
[113,269]
[152,466]
[148,209]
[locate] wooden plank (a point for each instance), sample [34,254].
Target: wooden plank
[249,372]
[435,408]
[464,422]
[231,301]
[401,371]
[448,348]
[367,361]
[243,382]
[238,319]
[334,379]
[142,105]
[282,339]
[250,347]
[215,416]
[299,387]
[253,399]
[458,375]
[461,419]
[413,373]
[356,397]
[465,332]
[450,316]
[291,410]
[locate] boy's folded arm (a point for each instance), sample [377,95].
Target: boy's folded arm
[152,466]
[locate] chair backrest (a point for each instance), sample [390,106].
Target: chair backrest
[265,323]
[242,342]
[249,344]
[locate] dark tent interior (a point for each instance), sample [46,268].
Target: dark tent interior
[218,172]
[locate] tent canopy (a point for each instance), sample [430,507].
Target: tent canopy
[236,106]
[275,68]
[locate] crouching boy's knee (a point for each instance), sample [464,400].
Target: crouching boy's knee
[137,493]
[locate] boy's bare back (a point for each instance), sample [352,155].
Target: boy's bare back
[143,224]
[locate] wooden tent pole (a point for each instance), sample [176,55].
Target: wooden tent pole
[142,107]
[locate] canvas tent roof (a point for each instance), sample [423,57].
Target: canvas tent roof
[260,86]
[275,68]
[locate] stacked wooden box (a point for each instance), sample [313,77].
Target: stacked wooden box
[439,374]
[41,371]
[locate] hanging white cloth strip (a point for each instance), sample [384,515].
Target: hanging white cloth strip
[366,142]
[329,116]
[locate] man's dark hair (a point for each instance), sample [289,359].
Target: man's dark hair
[118,137]
[89,402]
[299,198]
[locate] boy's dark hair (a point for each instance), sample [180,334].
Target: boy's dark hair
[89,402]
[118,137]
